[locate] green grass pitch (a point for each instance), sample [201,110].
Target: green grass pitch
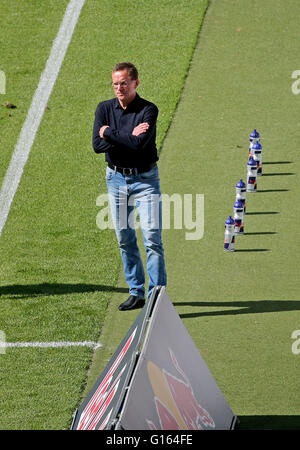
[58,271]
[60,276]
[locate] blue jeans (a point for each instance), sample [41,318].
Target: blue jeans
[142,190]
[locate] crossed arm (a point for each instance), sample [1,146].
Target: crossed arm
[139,129]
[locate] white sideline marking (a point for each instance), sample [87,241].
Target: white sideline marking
[94,345]
[37,108]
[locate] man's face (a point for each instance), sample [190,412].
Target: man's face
[124,86]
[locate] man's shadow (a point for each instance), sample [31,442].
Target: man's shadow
[49,289]
[240,307]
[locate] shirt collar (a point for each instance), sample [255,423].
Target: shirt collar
[131,104]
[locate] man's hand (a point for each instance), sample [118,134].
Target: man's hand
[140,129]
[101,131]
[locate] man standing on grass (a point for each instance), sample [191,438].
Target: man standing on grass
[125,130]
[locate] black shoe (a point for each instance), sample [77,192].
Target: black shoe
[132,302]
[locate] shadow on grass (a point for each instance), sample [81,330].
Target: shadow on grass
[277,174]
[241,250]
[244,307]
[48,289]
[259,232]
[254,213]
[278,162]
[268,423]
[260,191]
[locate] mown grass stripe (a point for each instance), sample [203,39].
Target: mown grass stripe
[37,108]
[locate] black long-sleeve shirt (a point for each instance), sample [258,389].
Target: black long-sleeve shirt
[121,148]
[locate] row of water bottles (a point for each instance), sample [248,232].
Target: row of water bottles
[234,226]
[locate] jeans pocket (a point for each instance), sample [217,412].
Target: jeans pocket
[109,173]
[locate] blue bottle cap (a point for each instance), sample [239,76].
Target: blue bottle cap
[252,162]
[238,205]
[254,134]
[240,184]
[256,146]
[229,221]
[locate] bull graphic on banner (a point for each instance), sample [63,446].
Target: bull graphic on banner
[175,401]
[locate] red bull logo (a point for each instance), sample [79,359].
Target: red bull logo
[176,405]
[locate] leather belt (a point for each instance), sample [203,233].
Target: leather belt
[131,170]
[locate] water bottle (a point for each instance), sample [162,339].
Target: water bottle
[251,175]
[254,137]
[229,235]
[240,193]
[238,218]
[257,156]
